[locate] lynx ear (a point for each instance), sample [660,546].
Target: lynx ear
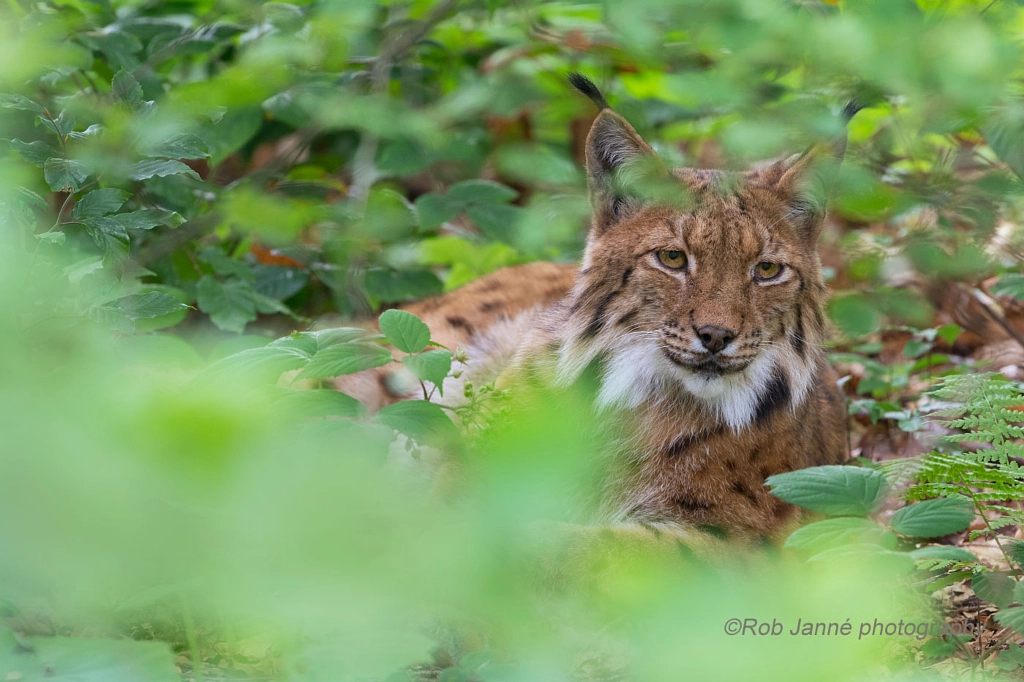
[619,162]
[805,181]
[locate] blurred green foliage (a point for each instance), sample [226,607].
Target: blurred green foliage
[176,174]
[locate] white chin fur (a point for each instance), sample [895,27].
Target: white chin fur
[639,371]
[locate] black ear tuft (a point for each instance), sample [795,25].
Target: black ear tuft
[851,109]
[587,87]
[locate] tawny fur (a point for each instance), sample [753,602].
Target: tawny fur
[692,442]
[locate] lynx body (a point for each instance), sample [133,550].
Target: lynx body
[699,306]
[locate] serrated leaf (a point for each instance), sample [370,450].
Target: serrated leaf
[229,304]
[310,343]
[144,170]
[23,103]
[832,490]
[35,153]
[262,365]
[996,588]
[933,518]
[481,192]
[320,403]
[431,365]
[422,421]
[821,535]
[432,210]
[404,331]
[943,552]
[1012,618]
[860,553]
[180,146]
[64,175]
[345,358]
[99,202]
[126,89]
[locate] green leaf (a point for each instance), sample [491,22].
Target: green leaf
[52,237]
[854,314]
[80,659]
[180,146]
[434,209]
[1010,285]
[99,202]
[933,518]
[229,305]
[481,192]
[867,553]
[821,535]
[119,47]
[949,333]
[1011,658]
[832,490]
[943,552]
[126,89]
[996,588]
[938,648]
[404,331]
[144,170]
[346,358]
[23,103]
[497,221]
[224,265]
[64,175]
[148,218]
[62,125]
[94,129]
[431,365]
[420,420]
[35,153]
[320,403]
[1015,550]
[278,281]
[101,226]
[1012,618]
[261,365]
[916,347]
[391,286]
[149,304]
[76,272]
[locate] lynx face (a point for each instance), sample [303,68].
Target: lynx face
[715,297]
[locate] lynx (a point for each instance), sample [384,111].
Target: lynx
[699,306]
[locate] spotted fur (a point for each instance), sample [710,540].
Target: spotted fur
[712,379]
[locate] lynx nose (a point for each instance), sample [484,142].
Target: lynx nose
[715,338]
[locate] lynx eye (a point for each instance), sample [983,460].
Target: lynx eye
[765,271]
[672,259]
